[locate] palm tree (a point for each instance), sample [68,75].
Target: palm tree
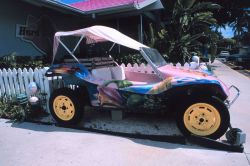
[189,21]
[241,26]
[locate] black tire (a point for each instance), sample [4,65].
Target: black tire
[61,113]
[210,118]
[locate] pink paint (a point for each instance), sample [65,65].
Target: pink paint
[171,71]
[90,5]
[141,78]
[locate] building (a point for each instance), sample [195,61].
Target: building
[27,26]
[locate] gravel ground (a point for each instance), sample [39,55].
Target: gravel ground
[139,124]
[131,123]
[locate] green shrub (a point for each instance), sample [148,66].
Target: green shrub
[129,58]
[14,61]
[11,109]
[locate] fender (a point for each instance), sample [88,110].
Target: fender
[197,90]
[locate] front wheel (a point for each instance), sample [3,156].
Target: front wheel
[65,106]
[207,118]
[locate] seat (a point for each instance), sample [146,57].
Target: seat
[118,73]
[102,73]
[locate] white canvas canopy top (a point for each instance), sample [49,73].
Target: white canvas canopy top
[96,34]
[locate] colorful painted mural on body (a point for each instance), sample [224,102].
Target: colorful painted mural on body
[127,93]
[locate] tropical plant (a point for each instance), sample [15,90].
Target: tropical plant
[230,11]
[188,23]
[236,14]
[241,27]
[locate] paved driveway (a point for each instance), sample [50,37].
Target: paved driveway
[240,110]
[28,144]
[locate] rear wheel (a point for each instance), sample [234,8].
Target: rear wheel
[207,118]
[65,106]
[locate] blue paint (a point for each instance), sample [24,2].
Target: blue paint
[70,1]
[141,89]
[187,81]
[83,73]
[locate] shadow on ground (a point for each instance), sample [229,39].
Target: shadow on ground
[146,142]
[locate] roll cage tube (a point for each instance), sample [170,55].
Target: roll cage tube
[67,49]
[77,45]
[144,54]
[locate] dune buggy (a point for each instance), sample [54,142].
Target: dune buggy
[198,99]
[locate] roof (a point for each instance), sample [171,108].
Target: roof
[99,7]
[97,34]
[90,5]
[108,6]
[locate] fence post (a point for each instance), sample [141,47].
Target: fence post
[149,69]
[46,88]
[36,77]
[20,79]
[10,78]
[2,90]
[31,73]
[129,67]
[41,77]
[6,82]
[143,68]
[15,79]
[136,68]
[186,65]
[26,81]
[178,65]
[123,66]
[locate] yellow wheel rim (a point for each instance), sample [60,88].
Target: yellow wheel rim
[202,119]
[64,108]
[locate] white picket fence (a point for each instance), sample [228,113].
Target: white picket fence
[144,68]
[16,81]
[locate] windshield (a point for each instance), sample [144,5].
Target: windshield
[154,56]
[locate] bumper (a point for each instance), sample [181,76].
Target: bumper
[235,97]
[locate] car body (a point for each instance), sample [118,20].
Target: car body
[223,56]
[242,59]
[196,97]
[232,57]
